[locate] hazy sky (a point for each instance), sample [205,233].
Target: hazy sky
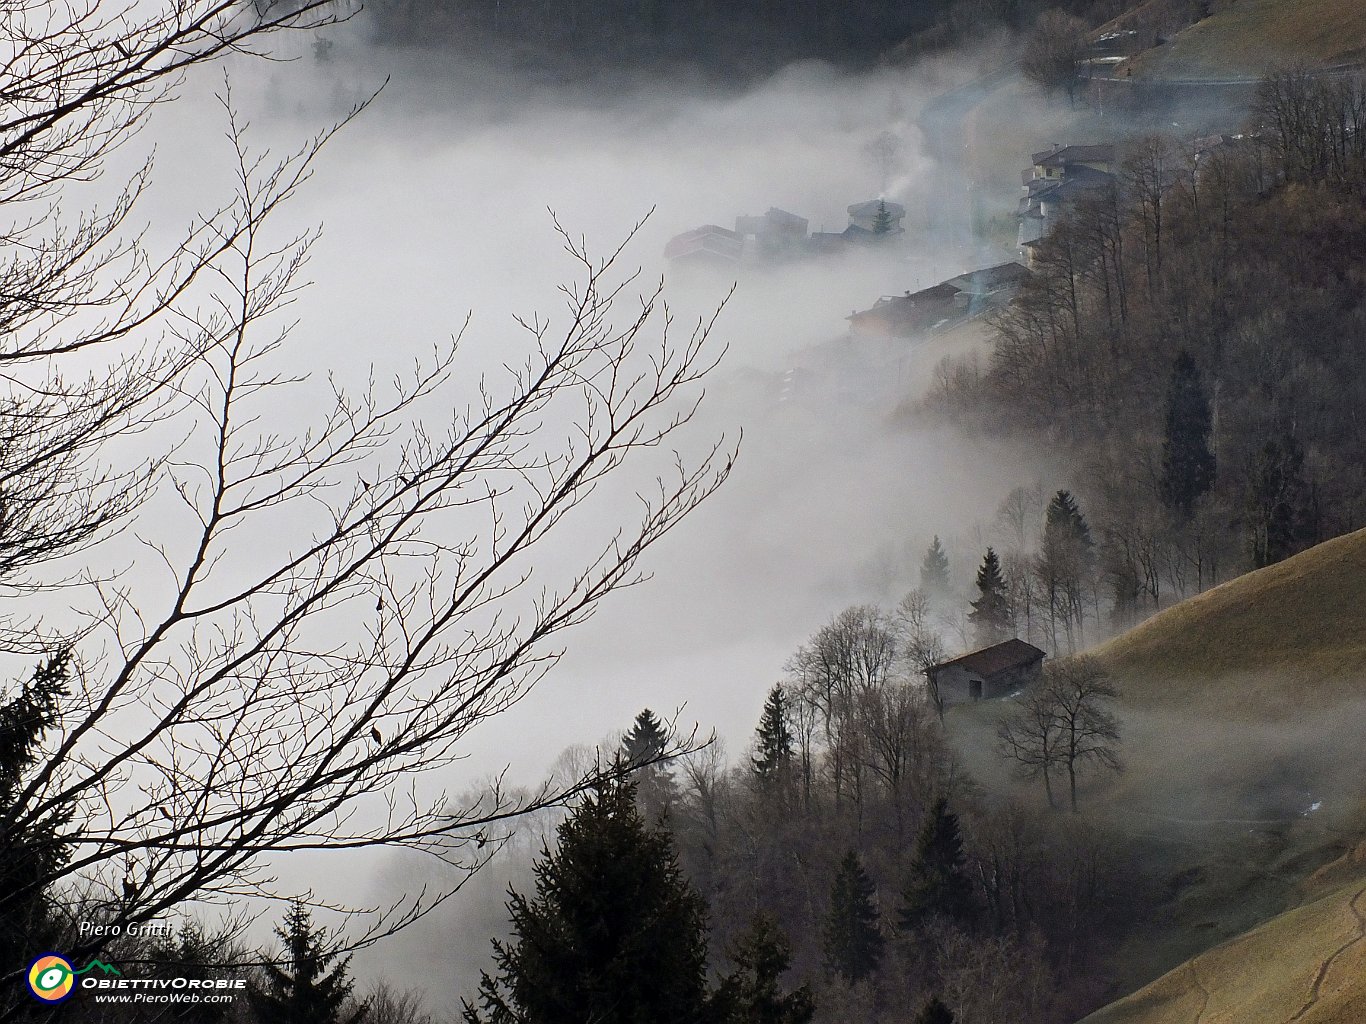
[434,204]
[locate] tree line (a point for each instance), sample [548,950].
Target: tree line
[845,868]
[739,38]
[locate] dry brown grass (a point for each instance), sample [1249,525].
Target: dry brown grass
[1290,636]
[1307,965]
[1248,36]
[1249,698]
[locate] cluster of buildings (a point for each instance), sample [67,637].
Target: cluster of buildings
[778,235]
[1054,180]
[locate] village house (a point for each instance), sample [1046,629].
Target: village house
[863,216]
[774,235]
[904,316]
[979,290]
[1053,181]
[901,316]
[709,246]
[991,672]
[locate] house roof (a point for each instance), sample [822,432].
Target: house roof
[1061,157]
[989,279]
[783,217]
[869,209]
[710,239]
[990,660]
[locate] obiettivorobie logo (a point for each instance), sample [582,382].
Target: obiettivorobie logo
[51,978]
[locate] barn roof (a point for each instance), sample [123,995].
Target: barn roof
[997,658]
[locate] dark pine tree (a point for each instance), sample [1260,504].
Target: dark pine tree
[310,986]
[938,883]
[990,613]
[751,994]
[773,739]
[1187,462]
[613,934]
[647,740]
[882,220]
[934,1012]
[1064,522]
[192,954]
[35,848]
[934,570]
[853,941]
[641,749]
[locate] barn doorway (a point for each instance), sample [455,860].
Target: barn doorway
[975,689]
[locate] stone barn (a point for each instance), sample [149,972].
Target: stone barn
[991,672]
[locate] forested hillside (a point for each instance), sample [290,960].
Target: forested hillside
[740,37]
[1194,338]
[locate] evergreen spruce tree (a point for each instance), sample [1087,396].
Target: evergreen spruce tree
[192,954]
[883,221]
[751,994]
[311,986]
[34,850]
[613,933]
[938,885]
[934,1012]
[1187,462]
[647,740]
[934,570]
[990,613]
[641,749]
[853,941]
[773,739]
[1064,522]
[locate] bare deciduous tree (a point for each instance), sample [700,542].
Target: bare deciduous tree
[1064,725]
[318,613]
[1054,51]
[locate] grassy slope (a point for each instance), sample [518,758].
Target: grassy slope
[1241,719]
[1247,36]
[1275,638]
[1307,965]
[1241,705]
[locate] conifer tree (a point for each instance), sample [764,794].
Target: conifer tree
[934,570]
[751,994]
[1064,565]
[882,220]
[938,885]
[647,740]
[1064,521]
[38,849]
[311,987]
[990,613]
[613,934]
[934,1012]
[1187,463]
[641,749]
[192,953]
[773,738]
[853,940]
